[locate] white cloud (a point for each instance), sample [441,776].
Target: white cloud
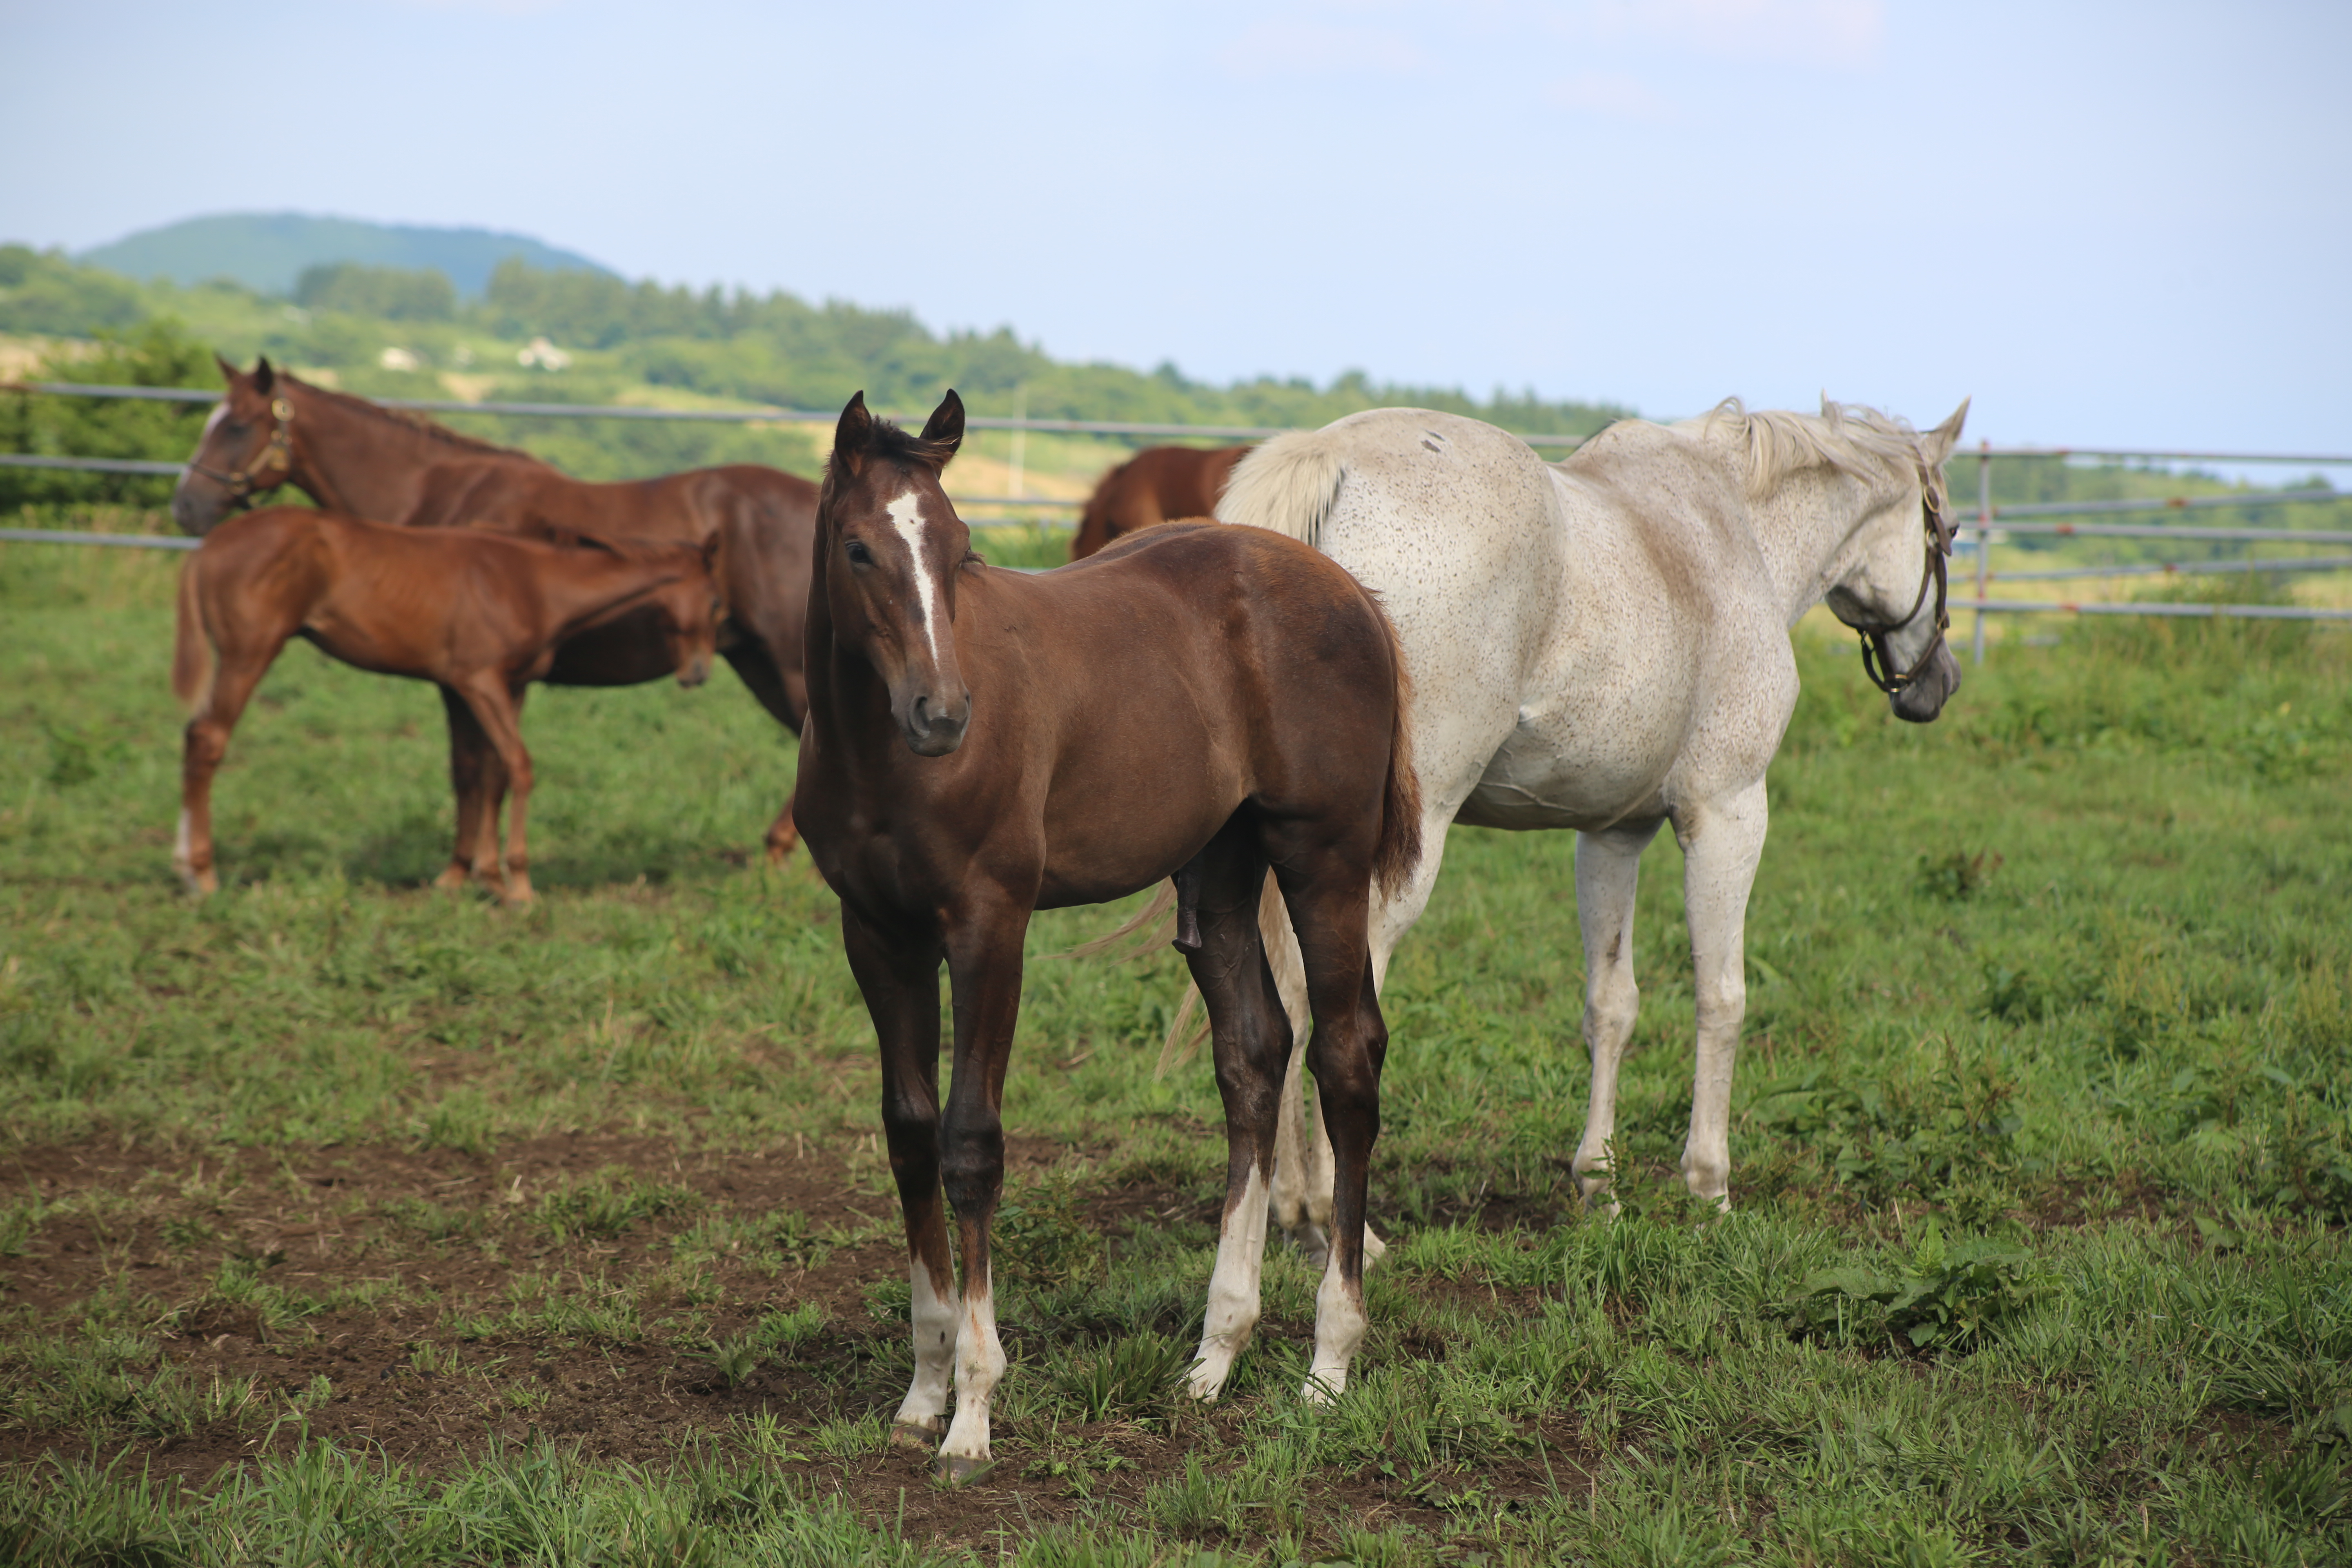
[1611,95]
[1842,33]
[1316,48]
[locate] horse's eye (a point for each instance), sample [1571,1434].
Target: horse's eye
[858,554]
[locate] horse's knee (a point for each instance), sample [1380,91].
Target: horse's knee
[972,1162]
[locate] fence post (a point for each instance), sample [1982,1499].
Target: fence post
[1984,533]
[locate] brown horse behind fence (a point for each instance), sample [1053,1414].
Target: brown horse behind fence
[349,456]
[480,614]
[1159,484]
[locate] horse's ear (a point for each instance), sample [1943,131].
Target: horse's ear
[711,552]
[263,376]
[853,435]
[1940,441]
[945,426]
[229,373]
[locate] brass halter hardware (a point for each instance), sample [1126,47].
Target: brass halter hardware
[1877,662]
[273,468]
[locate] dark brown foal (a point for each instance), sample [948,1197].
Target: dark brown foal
[1201,702]
[479,614]
[1159,484]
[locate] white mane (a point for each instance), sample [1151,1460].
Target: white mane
[1846,436]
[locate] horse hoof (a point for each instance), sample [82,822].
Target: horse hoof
[961,1472]
[914,1435]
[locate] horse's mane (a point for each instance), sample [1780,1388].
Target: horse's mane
[413,421]
[1779,442]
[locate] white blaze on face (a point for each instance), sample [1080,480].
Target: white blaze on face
[907,517]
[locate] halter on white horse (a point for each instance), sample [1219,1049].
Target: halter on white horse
[1602,644]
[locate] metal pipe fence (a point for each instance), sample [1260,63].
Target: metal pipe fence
[2017,518]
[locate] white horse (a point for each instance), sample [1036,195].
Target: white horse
[1602,644]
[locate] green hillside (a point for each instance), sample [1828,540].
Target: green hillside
[390,332]
[268,251]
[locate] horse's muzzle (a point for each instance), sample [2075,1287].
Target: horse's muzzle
[1923,696]
[694,673]
[934,728]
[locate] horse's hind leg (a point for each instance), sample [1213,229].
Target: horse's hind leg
[786,699]
[237,671]
[1722,846]
[1607,864]
[1328,903]
[1252,1040]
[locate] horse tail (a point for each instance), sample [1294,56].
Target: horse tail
[191,650]
[1397,850]
[1286,486]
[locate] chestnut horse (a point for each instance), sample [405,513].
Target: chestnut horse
[1202,702]
[272,428]
[1159,484]
[478,614]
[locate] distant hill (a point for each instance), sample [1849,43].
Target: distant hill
[267,251]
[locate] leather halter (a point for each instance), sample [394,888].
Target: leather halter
[1877,661]
[243,484]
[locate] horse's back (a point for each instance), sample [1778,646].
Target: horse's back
[1455,525]
[1177,673]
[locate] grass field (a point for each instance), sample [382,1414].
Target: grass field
[344,1222]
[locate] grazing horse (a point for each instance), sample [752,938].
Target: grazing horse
[1159,484]
[272,428]
[1602,644]
[1203,702]
[478,614]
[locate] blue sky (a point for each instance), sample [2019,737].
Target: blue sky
[2116,224]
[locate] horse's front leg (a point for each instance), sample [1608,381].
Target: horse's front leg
[497,708]
[984,951]
[1722,846]
[1608,868]
[1251,1042]
[900,978]
[472,762]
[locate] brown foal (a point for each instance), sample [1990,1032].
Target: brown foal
[1203,702]
[351,455]
[1159,484]
[478,614]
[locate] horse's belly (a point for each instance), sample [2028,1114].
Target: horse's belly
[1542,780]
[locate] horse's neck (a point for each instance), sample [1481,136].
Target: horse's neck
[1804,527]
[360,464]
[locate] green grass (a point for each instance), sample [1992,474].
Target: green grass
[2043,1145]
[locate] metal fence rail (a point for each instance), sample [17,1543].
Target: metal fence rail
[2180,569]
[2009,520]
[118,541]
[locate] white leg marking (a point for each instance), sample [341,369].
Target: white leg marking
[907,517]
[935,1346]
[1232,1288]
[980,1367]
[182,856]
[1339,1325]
